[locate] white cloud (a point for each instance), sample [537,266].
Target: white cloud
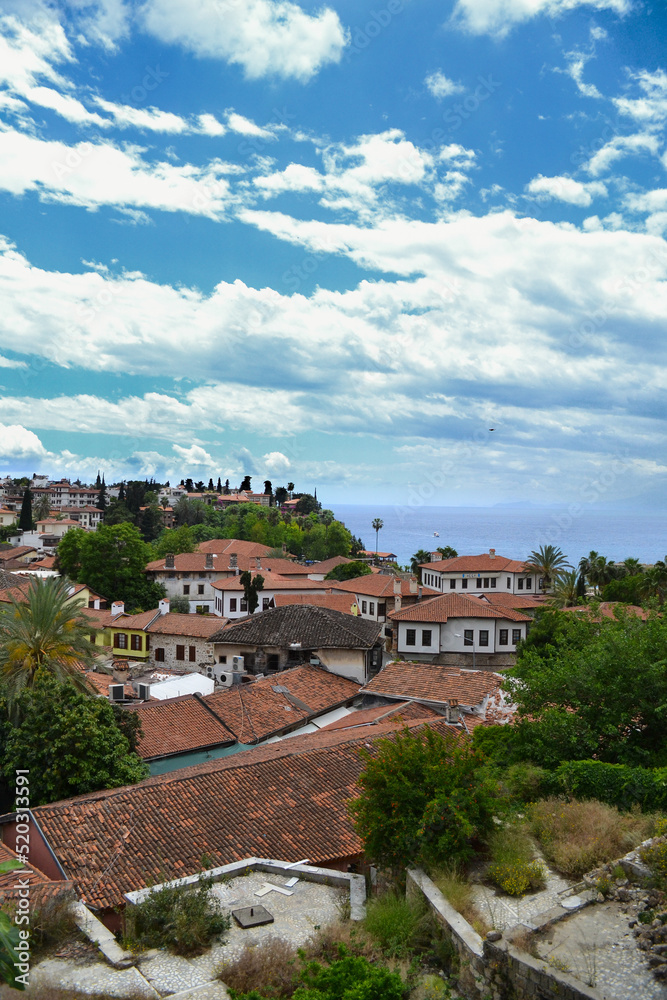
[104,22]
[498,17]
[566,189]
[17,442]
[265,37]
[651,108]
[441,86]
[95,174]
[276,463]
[126,116]
[244,126]
[575,69]
[620,146]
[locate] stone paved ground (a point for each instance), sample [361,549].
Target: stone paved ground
[597,943]
[502,911]
[159,974]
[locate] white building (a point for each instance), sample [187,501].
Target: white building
[455,623]
[230,598]
[486,572]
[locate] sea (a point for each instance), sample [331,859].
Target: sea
[513,532]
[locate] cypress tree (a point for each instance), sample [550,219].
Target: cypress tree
[25,520]
[102,496]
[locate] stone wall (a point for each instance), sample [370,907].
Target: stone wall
[203,653]
[493,969]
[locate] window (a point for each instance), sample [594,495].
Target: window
[452,584]
[371,607]
[478,582]
[266,601]
[91,638]
[232,604]
[192,653]
[464,584]
[186,588]
[494,581]
[159,654]
[502,636]
[529,583]
[509,582]
[200,588]
[411,637]
[520,584]
[135,642]
[244,605]
[516,636]
[364,605]
[222,659]
[180,652]
[426,636]
[202,609]
[484,637]
[486,583]
[382,609]
[120,640]
[468,637]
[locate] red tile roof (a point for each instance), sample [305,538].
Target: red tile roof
[607,609]
[237,545]
[432,683]
[139,621]
[285,800]
[196,626]
[40,884]
[446,606]
[178,725]
[17,550]
[377,585]
[336,602]
[476,564]
[399,714]
[502,600]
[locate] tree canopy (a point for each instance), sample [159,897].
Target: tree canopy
[349,571]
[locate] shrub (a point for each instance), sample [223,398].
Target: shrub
[51,923]
[655,857]
[270,969]
[396,924]
[616,784]
[578,836]
[350,978]
[183,919]
[458,891]
[513,867]
[526,782]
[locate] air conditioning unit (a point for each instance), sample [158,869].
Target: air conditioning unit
[226,679]
[209,672]
[117,692]
[238,663]
[144,691]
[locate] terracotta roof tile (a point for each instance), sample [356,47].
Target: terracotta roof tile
[272,581]
[437,684]
[178,725]
[476,564]
[197,626]
[446,606]
[335,602]
[286,800]
[237,545]
[41,885]
[399,714]
[500,600]
[377,585]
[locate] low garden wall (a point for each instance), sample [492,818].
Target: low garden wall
[492,967]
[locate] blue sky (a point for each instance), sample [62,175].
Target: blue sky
[337,244]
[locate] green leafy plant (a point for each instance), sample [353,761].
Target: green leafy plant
[183,919]
[10,938]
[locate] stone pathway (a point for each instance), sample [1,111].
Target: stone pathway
[159,974]
[502,911]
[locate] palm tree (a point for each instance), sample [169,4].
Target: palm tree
[654,583]
[377,524]
[565,591]
[548,561]
[447,552]
[42,628]
[632,567]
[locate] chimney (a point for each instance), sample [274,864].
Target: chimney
[259,563]
[453,713]
[397,586]
[209,560]
[164,606]
[234,563]
[169,561]
[419,593]
[413,585]
[492,553]
[117,608]
[398,600]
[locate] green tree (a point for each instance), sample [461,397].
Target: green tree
[42,508]
[307,504]
[654,582]
[174,541]
[246,486]
[423,798]
[151,522]
[102,496]
[43,629]
[251,588]
[349,571]
[377,525]
[111,561]
[421,556]
[447,552]
[180,604]
[25,520]
[11,940]
[627,590]
[70,743]
[610,673]
[548,561]
[596,570]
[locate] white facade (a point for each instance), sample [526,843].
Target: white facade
[232,603]
[459,635]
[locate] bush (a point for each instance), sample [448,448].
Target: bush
[270,969]
[655,857]
[526,782]
[396,924]
[51,923]
[616,784]
[183,919]
[578,836]
[350,977]
[513,867]
[458,892]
